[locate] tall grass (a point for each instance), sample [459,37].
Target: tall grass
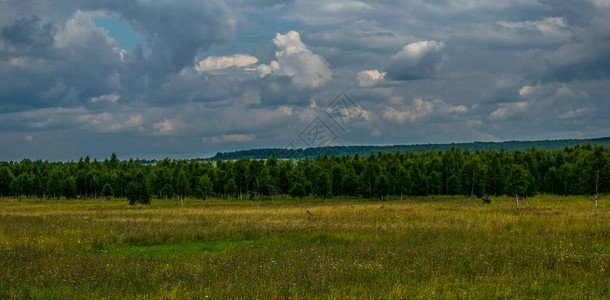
[553,247]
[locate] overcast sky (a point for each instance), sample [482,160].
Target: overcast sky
[184,79]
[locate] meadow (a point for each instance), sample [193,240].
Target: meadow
[426,247]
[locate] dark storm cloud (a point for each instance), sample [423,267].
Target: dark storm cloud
[29,34]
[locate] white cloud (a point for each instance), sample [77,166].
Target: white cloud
[232,138]
[416,60]
[370,78]
[554,90]
[344,6]
[214,63]
[418,50]
[421,109]
[576,113]
[80,31]
[509,109]
[107,122]
[526,90]
[295,60]
[28,138]
[112,98]
[548,26]
[601,3]
[164,127]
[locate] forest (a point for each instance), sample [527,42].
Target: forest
[580,170]
[313,152]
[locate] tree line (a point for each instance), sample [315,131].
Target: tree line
[572,171]
[280,153]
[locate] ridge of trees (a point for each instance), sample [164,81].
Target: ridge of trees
[264,153]
[572,171]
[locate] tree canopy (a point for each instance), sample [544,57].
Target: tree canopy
[571,171]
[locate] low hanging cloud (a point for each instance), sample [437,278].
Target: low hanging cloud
[295,60]
[421,109]
[416,61]
[215,63]
[370,78]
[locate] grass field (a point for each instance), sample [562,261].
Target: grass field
[553,247]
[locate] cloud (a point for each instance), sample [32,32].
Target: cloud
[29,35]
[164,127]
[577,113]
[509,109]
[416,61]
[214,63]
[108,122]
[370,78]
[421,109]
[175,32]
[345,6]
[295,60]
[547,26]
[526,90]
[541,72]
[233,138]
[112,98]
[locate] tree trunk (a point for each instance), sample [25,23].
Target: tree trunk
[596,189]
[596,199]
[517,197]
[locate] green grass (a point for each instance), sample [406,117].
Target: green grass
[427,247]
[173,249]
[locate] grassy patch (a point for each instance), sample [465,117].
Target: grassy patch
[175,249]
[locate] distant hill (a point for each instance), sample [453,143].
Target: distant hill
[366,150]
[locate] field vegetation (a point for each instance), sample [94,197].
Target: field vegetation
[421,247]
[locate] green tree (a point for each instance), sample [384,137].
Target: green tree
[350,183]
[137,189]
[70,188]
[453,185]
[182,185]
[382,186]
[205,186]
[230,188]
[107,191]
[54,185]
[297,191]
[167,191]
[324,185]
[6,178]
[518,181]
[404,182]
[595,173]
[473,177]
[21,185]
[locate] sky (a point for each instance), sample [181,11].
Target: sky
[187,78]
